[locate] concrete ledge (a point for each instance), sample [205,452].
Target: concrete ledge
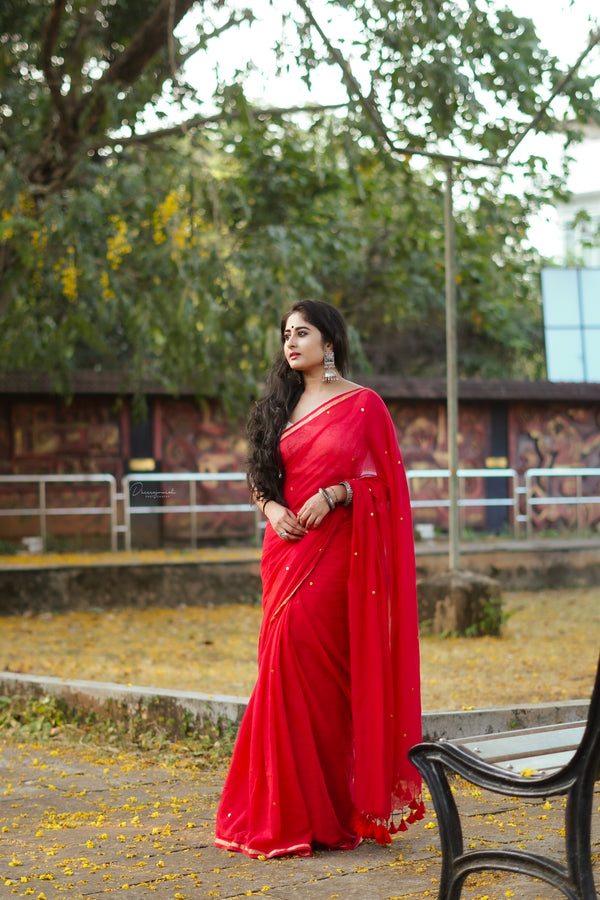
[178,711]
[182,711]
[138,585]
[520,565]
[231,575]
[465,723]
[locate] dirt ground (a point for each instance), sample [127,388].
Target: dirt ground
[547,651]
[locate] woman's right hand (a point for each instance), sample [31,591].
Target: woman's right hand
[284,522]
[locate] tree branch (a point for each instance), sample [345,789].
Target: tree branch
[48,44]
[200,121]
[233,20]
[370,108]
[593,41]
[352,85]
[152,36]
[145,44]
[75,51]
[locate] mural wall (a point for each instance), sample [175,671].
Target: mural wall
[93,435]
[193,439]
[423,439]
[43,436]
[555,436]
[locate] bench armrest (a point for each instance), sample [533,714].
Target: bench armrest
[485,775]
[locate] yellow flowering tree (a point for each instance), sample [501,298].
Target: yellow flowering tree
[170,253]
[186,281]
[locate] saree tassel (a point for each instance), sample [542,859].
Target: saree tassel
[417,811]
[381,830]
[366,827]
[361,825]
[382,835]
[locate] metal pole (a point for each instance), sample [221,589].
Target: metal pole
[126,488]
[193,520]
[451,373]
[42,506]
[112,495]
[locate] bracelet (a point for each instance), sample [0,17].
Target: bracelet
[264,506]
[328,498]
[349,493]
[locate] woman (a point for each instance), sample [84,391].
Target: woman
[321,756]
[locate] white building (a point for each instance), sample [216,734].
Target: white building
[569,234]
[578,222]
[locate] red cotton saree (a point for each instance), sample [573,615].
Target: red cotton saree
[321,755]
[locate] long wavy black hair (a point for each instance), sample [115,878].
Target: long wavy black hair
[284,386]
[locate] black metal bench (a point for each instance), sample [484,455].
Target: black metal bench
[531,763]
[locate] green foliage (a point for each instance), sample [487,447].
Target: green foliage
[492,620]
[470,71]
[51,719]
[39,717]
[173,257]
[179,269]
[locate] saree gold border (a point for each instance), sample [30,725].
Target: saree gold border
[328,404]
[296,587]
[259,854]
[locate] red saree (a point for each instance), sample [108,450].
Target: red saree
[321,756]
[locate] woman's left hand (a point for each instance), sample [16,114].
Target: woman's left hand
[314,511]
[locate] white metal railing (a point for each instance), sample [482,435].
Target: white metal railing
[43,510]
[578,499]
[192,479]
[510,502]
[521,500]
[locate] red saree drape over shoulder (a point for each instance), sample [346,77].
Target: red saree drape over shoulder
[321,756]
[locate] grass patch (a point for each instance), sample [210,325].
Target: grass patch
[50,720]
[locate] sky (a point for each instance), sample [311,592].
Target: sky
[562,25]
[564,29]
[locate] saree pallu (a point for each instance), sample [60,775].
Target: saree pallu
[321,756]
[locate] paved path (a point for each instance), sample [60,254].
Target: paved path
[84,823]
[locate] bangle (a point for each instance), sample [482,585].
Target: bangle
[264,506]
[349,493]
[328,498]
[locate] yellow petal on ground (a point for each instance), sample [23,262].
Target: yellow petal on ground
[222,640]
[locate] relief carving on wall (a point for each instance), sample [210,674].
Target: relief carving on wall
[553,437]
[201,439]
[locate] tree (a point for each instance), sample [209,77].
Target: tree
[332,220]
[163,253]
[459,76]
[82,71]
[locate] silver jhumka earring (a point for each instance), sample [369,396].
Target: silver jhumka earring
[330,373]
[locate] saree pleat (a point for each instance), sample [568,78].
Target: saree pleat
[321,755]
